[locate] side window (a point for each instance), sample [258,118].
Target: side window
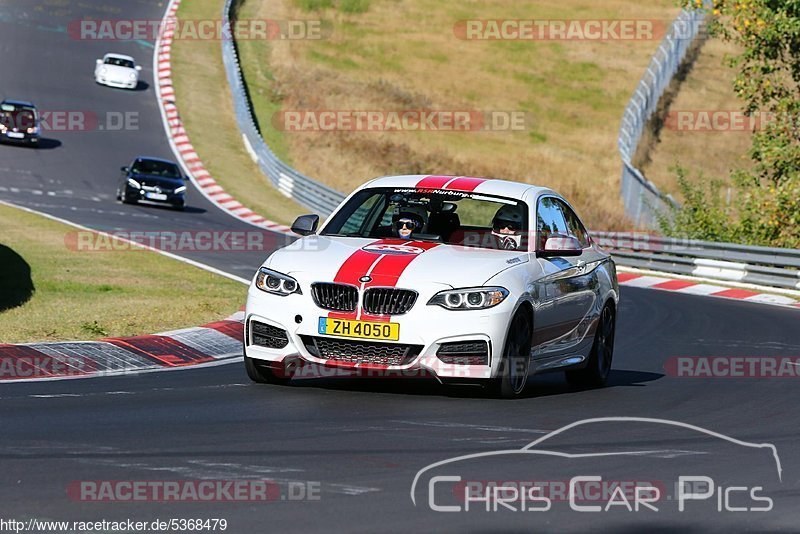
[549,221]
[576,228]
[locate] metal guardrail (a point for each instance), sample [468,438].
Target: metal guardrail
[313,195]
[766,266]
[641,197]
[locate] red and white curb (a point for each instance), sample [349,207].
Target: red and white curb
[213,343]
[179,139]
[696,287]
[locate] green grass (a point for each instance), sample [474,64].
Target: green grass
[51,292]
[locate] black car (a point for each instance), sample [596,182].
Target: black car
[19,122]
[152,180]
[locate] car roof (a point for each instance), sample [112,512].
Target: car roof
[488,186]
[20,103]
[119,56]
[148,158]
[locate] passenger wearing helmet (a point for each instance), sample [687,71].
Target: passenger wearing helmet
[409,219]
[507,227]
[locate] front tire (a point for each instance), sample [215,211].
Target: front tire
[597,369]
[262,374]
[513,371]
[125,199]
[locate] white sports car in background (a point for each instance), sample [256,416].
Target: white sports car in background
[472,280]
[116,70]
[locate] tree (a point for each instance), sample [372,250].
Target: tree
[768,81]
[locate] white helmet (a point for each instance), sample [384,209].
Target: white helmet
[507,227]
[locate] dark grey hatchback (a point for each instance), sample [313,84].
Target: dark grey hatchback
[19,122]
[152,180]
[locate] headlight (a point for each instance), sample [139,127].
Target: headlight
[33,129]
[276,283]
[133,75]
[103,70]
[134,183]
[180,189]
[473,298]
[3,127]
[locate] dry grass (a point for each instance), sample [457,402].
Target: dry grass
[404,55]
[204,100]
[83,295]
[708,86]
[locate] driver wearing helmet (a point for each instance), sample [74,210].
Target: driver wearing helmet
[507,227]
[408,220]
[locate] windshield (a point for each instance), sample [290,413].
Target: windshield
[119,62]
[452,217]
[156,168]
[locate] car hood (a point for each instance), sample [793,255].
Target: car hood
[160,181]
[391,262]
[116,72]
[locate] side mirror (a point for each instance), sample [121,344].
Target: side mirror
[99,61]
[305,224]
[138,67]
[559,245]
[124,169]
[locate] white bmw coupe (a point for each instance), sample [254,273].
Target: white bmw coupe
[116,70]
[469,280]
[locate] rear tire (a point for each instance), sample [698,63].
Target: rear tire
[261,373]
[597,369]
[513,371]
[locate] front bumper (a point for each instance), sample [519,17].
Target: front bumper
[424,329]
[121,84]
[13,137]
[140,195]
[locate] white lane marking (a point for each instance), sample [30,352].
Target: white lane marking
[487,428]
[54,396]
[134,243]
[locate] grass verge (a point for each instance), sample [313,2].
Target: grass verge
[391,56]
[204,101]
[690,143]
[51,292]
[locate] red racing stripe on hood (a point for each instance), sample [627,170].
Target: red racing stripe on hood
[386,270]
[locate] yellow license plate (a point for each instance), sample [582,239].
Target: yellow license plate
[359,329]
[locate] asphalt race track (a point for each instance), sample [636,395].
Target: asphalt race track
[74,175]
[349,450]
